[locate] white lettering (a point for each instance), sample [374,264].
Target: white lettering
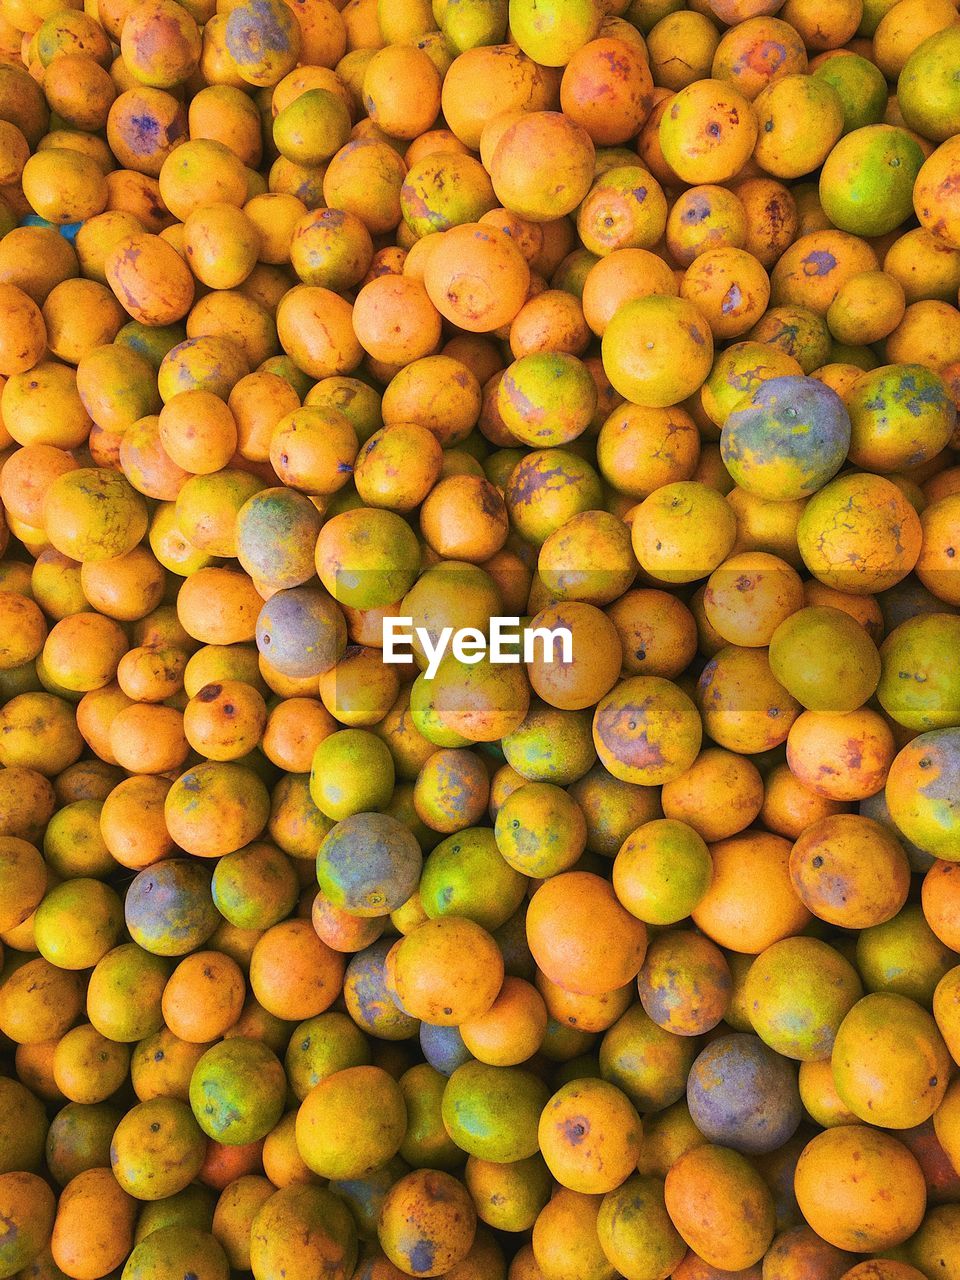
[469,645]
[393,635]
[505,640]
[548,638]
[434,652]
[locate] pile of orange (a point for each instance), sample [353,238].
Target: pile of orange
[637,318]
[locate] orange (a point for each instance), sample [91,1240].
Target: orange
[938,548]
[24,881]
[234,1213]
[77,923]
[860,1189]
[27,802]
[318,1219]
[624,209]
[489,292]
[218,606]
[797,993]
[583,1014]
[207,362]
[164,113]
[225,721]
[341,1151]
[596,657]
[542,165]
[236,1091]
[293,973]
[43,406]
[88,1068]
[607,89]
[641,449]
[21,317]
[835,879]
[657,632]
[703,218]
[464,518]
[166,61]
[427,1221]
[320,351]
[743,706]
[438,392]
[78,1244]
[395,320]
[546,398]
[64,186]
[29,1205]
[867,308]
[264,41]
[313,449]
[590,1136]
[729,287]
[694,32]
[922,265]
[511,1030]
[635,1230]
[565,1239]
[507,1196]
[844,757]
[330,247]
[875,554]
[733,911]
[749,55]
[721,1207]
[424,961]
[216,808]
[771,218]
[590,558]
[39,732]
[132,822]
[483,701]
[657,350]
[708,132]
[539,830]
[568,947]
[39,1002]
[365,177]
[685,983]
[484,80]
[800,118]
[683,531]
[443,189]
[913,646]
[646,731]
[749,596]
[940,902]
[881,1269]
[401,89]
[619,277]
[825,659]
[719,795]
[391,871]
[157,1149]
[881,1025]
[150,279]
[662,871]
[257,403]
[204,997]
[37,259]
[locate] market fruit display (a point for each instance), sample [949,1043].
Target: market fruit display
[353,353]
